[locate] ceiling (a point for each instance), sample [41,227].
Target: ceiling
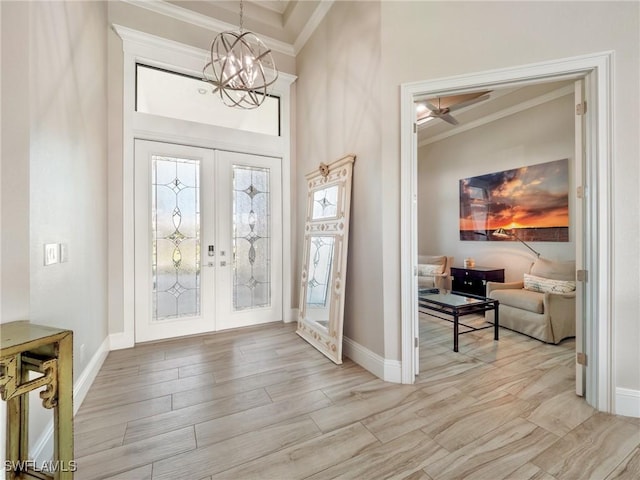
[501,103]
[288,21]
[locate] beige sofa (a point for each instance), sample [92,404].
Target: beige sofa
[434,271]
[541,306]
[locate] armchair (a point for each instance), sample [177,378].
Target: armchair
[434,271]
[541,306]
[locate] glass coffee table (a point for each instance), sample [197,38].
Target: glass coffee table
[456,304]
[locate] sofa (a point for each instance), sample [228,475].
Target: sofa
[542,305]
[434,271]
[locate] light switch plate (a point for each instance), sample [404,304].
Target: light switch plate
[64,253]
[51,253]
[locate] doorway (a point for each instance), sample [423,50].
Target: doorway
[208,240]
[596,70]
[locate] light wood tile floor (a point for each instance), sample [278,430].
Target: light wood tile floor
[262,403]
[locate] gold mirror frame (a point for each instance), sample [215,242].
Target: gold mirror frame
[324,262]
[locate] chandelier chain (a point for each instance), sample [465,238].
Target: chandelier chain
[241,16]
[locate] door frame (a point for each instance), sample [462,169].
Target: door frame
[139,47]
[598,73]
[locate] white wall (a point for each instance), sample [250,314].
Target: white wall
[338,98]
[537,135]
[455,38]
[61,145]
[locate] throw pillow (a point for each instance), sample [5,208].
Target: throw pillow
[548,285]
[429,270]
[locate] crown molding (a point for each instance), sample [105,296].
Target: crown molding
[311,25]
[142,42]
[203,21]
[534,102]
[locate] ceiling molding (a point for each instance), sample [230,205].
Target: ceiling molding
[534,102]
[203,21]
[143,41]
[311,25]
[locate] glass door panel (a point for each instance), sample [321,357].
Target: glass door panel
[175,223]
[251,237]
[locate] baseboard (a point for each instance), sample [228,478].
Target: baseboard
[387,370]
[43,448]
[628,402]
[119,341]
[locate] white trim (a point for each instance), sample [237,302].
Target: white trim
[597,69]
[43,448]
[88,375]
[534,102]
[208,23]
[121,340]
[156,51]
[627,402]
[387,370]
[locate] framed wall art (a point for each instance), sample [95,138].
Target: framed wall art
[531,202]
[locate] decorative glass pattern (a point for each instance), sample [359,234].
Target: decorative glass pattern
[175,220]
[320,261]
[325,203]
[251,238]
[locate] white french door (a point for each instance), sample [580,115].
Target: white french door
[208,240]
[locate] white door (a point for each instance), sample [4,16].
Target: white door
[208,237]
[249,249]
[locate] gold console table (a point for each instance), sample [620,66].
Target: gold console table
[24,348]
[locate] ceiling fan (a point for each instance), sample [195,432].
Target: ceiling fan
[428,110]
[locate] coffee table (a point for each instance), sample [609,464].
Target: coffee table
[456,305]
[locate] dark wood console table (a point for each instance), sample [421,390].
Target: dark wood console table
[24,348]
[474,280]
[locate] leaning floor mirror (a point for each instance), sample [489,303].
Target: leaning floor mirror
[324,267]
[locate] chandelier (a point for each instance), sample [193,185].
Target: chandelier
[240,68]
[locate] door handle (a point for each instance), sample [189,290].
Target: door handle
[209,264]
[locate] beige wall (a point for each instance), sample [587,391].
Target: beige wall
[14,296]
[338,98]
[541,134]
[456,38]
[62,147]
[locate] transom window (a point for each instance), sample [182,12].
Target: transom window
[174,95]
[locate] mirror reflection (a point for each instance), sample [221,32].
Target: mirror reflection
[318,285]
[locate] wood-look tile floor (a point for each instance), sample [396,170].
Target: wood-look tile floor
[262,403]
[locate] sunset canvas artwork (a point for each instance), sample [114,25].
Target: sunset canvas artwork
[531,202]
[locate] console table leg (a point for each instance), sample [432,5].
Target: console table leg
[496,321]
[63,413]
[17,427]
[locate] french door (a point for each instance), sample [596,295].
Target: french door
[208,240]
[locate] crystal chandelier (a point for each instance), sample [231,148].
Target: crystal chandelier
[241,68]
